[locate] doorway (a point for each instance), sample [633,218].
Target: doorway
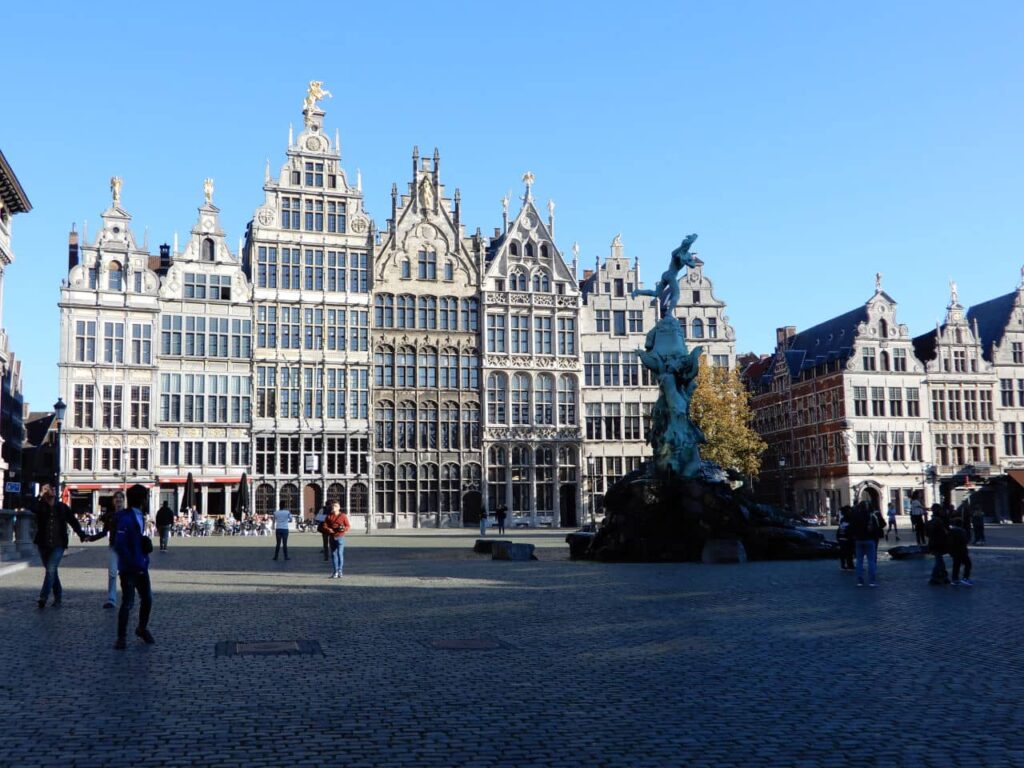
[471,505]
[567,506]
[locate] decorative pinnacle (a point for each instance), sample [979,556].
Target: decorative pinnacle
[208,190]
[878,282]
[115,189]
[528,180]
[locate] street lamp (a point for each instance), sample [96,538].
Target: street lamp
[593,496]
[60,409]
[782,480]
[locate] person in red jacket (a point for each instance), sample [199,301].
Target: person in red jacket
[336,526]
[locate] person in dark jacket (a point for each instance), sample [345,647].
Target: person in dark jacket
[866,528]
[938,544]
[844,540]
[164,521]
[133,567]
[959,535]
[52,520]
[978,522]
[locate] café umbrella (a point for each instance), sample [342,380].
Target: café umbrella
[242,499]
[188,496]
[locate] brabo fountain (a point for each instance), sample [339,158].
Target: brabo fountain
[676,507]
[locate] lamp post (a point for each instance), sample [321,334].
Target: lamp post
[60,408]
[593,496]
[782,481]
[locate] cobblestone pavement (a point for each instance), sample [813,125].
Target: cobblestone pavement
[781,664]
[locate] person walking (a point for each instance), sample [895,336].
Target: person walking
[52,520]
[978,523]
[891,515]
[107,532]
[959,534]
[501,515]
[133,567]
[917,518]
[164,521]
[844,541]
[336,526]
[483,522]
[866,528]
[282,522]
[938,545]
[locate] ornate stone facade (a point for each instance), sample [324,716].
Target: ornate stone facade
[531,373]
[307,252]
[426,358]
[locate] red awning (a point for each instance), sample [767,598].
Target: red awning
[104,486]
[200,480]
[1016,474]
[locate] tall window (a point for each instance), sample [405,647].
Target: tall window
[113,342]
[470,314]
[450,496]
[405,371]
[111,406]
[449,426]
[428,426]
[496,333]
[470,426]
[520,334]
[407,489]
[544,402]
[427,313]
[407,426]
[384,311]
[449,370]
[115,277]
[868,359]
[385,489]
[697,328]
[497,393]
[427,368]
[520,399]
[449,314]
[85,341]
[384,425]
[566,336]
[519,470]
[542,335]
[406,317]
[544,477]
[383,367]
[426,265]
[541,282]
[497,475]
[566,400]
[83,405]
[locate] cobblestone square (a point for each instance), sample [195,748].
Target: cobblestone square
[433,655]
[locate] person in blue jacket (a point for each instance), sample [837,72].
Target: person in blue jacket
[133,566]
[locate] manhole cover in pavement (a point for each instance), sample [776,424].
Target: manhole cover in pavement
[470,644]
[269,648]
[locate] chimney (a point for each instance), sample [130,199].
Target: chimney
[165,257]
[72,248]
[587,273]
[497,232]
[784,334]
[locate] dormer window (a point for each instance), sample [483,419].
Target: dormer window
[544,251]
[883,329]
[513,249]
[449,271]
[208,249]
[541,283]
[517,281]
[529,250]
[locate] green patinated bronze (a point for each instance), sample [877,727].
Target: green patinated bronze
[674,438]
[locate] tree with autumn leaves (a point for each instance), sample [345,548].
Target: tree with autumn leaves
[721,408]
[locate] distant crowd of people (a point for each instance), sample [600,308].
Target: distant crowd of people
[942,530]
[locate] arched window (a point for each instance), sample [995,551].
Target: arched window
[470,426]
[115,277]
[428,313]
[336,492]
[543,250]
[449,271]
[429,489]
[450,426]
[208,249]
[698,328]
[544,479]
[566,400]
[529,250]
[470,315]
[290,498]
[264,499]
[513,249]
[497,398]
[471,476]
[470,369]
[497,476]
[449,371]
[712,328]
[384,425]
[449,319]
[405,372]
[541,282]
[407,489]
[519,469]
[407,426]
[428,367]
[357,502]
[384,485]
[406,317]
[451,491]
[544,402]
[428,426]
[384,311]
[883,329]
[520,399]
[384,366]
[517,280]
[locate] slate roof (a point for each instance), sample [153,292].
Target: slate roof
[37,425]
[11,191]
[587,286]
[824,342]
[992,317]
[924,346]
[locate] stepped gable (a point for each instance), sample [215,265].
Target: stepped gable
[992,317]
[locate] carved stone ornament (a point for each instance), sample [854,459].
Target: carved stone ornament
[360,224]
[313,144]
[265,217]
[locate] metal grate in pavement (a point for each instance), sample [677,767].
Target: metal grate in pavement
[466,644]
[269,648]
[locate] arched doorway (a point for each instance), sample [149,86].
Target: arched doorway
[312,500]
[471,505]
[289,498]
[870,494]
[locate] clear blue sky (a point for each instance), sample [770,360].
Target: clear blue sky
[809,144]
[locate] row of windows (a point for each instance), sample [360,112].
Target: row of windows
[197,453]
[428,488]
[621,322]
[313,215]
[883,361]
[289,392]
[524,403]
[614,369]
[428,427]
[1010,439]
[512,333]
[194,336]
[618,421]
[355,502]
[117,277]
[886,446]
[287,327]
[965,405]
[426,312]
[91,458]
[313,269]
[205,398]
[893,406]
[425,368]
[140,351]
[111,405]
[314,456]
[1006,393]
[526,479]
[213,287]
[960,449]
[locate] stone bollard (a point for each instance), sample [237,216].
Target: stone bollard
[506,550]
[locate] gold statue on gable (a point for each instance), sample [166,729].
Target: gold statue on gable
[314,93]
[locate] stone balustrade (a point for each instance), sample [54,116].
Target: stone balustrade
[17,526]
